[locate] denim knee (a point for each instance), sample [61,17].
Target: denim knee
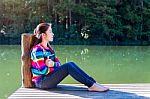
[72,64]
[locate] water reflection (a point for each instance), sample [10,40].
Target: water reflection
[10,70]
[84,51]
[107,64]
[2,56]
[120,64]
[84,54]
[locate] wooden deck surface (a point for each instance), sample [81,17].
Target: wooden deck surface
[76,91]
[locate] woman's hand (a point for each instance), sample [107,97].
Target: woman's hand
[49,63]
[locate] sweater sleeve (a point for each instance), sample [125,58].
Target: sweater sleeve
[57,62]
[38,62]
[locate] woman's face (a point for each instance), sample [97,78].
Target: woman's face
[49,34]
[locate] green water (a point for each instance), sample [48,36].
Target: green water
[107,64]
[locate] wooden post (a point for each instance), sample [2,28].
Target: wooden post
[26,62]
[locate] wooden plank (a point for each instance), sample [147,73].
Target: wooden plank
[77,91]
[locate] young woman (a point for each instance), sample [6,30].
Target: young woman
[46,68]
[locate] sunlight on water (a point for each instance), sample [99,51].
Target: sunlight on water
[107,64]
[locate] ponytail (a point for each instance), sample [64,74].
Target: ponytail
[34,41]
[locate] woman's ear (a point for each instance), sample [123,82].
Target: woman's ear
[43,34]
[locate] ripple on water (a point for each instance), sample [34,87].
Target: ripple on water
[8,74]
[5,96]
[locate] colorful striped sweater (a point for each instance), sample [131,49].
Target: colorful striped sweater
[39,55]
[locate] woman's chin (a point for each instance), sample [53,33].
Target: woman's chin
[51,40]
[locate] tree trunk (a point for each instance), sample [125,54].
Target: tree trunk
[26,63]
[70,19]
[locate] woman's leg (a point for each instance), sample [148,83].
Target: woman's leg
[96,86]
[72,63]
[52,79]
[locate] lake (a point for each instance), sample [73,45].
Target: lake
[107,64]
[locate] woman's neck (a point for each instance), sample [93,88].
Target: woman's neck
[44,44]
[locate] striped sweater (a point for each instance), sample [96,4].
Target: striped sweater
[39,55]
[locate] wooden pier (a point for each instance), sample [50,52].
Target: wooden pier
[77,91]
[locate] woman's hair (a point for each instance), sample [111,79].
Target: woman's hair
[36,37]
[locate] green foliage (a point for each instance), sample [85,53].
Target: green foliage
[79,21]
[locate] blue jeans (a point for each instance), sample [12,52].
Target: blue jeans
[51,80]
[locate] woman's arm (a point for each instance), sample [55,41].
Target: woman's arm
[51,63]
[56,62]
[55,59]
[38,63]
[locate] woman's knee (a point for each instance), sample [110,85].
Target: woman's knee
[72,63]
